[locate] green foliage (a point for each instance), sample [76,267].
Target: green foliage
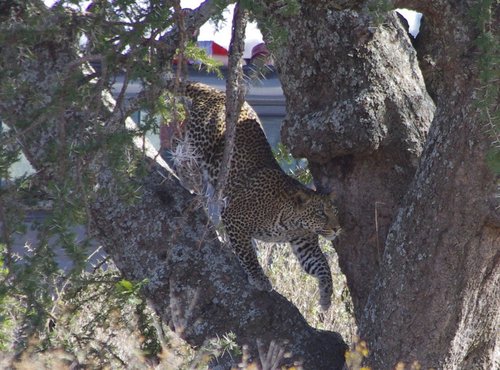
[276,34]
[379,9]
[57,316]
[493,159]
[35,290]
[6,302]
[489,73]
[150,344]
[91,310]
[216,348]
[295,168]
[218,18]
[49,312]
[130,290]
[193,52]
[8,156]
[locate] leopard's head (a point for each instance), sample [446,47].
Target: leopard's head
[317,213]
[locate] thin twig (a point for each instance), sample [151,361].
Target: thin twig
[180,71]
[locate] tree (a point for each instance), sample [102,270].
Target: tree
[91,155]
[420,217]
[420,251]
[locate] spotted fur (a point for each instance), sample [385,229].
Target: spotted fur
[262,202]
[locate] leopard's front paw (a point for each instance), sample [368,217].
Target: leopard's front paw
[261,283]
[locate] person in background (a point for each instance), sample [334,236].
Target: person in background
[260,63]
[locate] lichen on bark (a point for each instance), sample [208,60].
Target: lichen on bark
[358,110]
[420,242]
[139,212]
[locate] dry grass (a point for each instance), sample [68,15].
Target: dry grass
[301,289]
[117,344]
[97,329]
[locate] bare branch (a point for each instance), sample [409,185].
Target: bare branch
[235,94]
[198,17]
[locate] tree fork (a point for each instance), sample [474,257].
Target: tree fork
[199,289]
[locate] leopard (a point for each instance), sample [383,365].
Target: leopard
[261,202]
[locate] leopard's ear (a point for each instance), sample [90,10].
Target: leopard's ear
[301,198]
[332,196]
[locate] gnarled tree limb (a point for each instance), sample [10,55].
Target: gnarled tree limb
[194,284]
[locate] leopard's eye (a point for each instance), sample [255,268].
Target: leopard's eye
[321,213]
[330,208]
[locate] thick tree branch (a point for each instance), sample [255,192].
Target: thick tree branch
[360,118]
[432,294]
[443,247]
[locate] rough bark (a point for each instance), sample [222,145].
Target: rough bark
[194,283]
[357,109]
[439,285]
[235,95]
[432,288]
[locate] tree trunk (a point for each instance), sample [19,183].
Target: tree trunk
[358,110]
[437,294]
[146,223]
[420,253]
